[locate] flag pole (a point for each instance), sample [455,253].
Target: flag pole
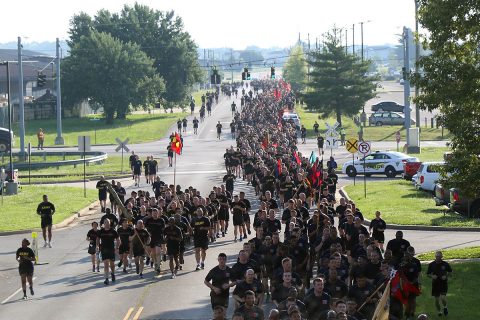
[372,295]
[174,173]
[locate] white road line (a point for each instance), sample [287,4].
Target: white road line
[13,294]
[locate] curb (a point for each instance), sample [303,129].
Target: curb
[453,260]
[88,210]
[344,194]
[87,180]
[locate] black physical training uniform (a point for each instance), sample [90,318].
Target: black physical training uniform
[25,267]
[46,210]
[200,236]
[107,243]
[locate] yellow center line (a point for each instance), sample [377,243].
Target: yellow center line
[137,315]
[129,312]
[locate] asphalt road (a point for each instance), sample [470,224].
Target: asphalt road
[66,288]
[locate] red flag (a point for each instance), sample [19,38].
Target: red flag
[279,166]
[265,142]
[401,288]
[176,143]
[295,155]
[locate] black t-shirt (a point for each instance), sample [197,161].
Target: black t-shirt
[173,234]
[25,254]
[272,226]
[439,269]
[229,180]
[102,187]
[142,235]
[219,127]
[398,247]
[155,227]
[125,234]
[107,238]
[246,203]
[317,305]
[45,209]
[269,182]
[137,165]
[256,286]
[198,225]
[152,165]
[92,236]
[238,209]
[219,277]
[376,224]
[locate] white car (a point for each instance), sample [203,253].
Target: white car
[428,175]
[389,163]
[292,117]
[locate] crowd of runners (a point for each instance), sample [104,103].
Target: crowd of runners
[304,254]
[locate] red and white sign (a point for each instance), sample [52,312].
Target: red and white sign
[365,147]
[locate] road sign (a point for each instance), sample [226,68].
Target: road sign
[364,147]
[122,145]
[331,143]
[352,145]
[332,130]
[397,136]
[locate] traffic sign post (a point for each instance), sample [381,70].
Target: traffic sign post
[365,148]
[352,147]
[332,137]
[122,145]
[397,137]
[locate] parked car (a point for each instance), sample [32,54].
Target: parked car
[388,106]
[5,137]
[441,195]
[389,163]
[293,118]
[456,201]
[427,175]
[387,118]
[410,169]
[464,205]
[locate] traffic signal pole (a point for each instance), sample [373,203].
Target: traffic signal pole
[59,139]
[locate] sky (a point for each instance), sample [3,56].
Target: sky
[222,23]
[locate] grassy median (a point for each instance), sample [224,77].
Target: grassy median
[462,292]
[19,212]
[381,133]
[137,127]
[400,203]
[458,253]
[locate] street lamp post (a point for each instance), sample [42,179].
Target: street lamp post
[417,56]
[6,63]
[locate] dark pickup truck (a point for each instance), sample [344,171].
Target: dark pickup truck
[457,202]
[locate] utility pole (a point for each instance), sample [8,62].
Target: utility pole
[21,106]
[346,41]
[361,36]
[353,39]
[6,63]
[406,79]
[417,57]
[231,63]
[59,139]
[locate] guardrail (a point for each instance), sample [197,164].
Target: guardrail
[90,157]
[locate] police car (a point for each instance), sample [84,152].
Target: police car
[389,163]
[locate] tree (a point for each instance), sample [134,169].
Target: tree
[338,82]
[110,73]
[159,34]
[295,69]
[449,82]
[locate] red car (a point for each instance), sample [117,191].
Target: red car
[410,169]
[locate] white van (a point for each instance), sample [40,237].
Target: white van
[427,175]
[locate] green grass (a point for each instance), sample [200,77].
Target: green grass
[18,212]
[111,167]
[462,293]
[431,154]
[138,127]
[400,203]
[383,133]
[460,253]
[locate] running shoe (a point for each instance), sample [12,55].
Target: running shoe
[49,245]
[141,275]
[218,235]
[240,239]
[106,282]
[45,245]
[98,269]
[173,275]
[25,297]
[202,265]
[198,267]
[31,291]
[113,277]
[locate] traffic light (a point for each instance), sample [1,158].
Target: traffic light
[244,74]
[215,77]
[272,72]
[41,80]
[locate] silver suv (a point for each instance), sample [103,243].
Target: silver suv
[387,118]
